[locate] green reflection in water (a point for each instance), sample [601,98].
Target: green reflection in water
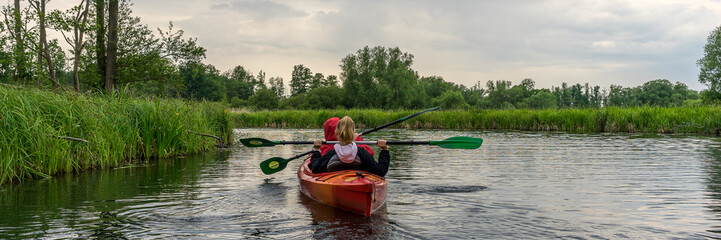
[98,203]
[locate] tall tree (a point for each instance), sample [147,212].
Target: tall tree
[277,86]
[75,21]
[202,82]
[301,79]
[19,51]
[112,53]
[378,77]
[100,50]
[42,47]
[240,83]
[710,64]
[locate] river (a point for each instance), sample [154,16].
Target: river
[518,185]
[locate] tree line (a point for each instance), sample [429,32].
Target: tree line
[110,50]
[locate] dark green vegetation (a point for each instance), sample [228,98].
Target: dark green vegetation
[45,134]
[111,49]
[694,120]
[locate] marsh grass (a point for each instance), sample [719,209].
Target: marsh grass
[34,126]
[696,120]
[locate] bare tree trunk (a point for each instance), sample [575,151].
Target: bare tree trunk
[111,68]
[79,31]
[39,75]
[44,42]
[100,51]
[43,51]
[19,51]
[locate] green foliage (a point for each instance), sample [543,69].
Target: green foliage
[696,120]
[322,98]
[264,99]
[542,99]
[301,80]
[36,127]
[240,83]
[5,68]
[201,82]
[450,100]
[277,86]
[710,64]
[236,102]
[378,77]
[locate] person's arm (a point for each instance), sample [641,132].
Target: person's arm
[369,164]
[316,160]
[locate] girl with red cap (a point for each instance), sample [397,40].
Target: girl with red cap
[347,155]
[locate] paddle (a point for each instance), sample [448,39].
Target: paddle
[277,164]
[258,142]
[453,143]
[399,120]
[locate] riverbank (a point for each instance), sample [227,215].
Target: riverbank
[45,133]
[696,120]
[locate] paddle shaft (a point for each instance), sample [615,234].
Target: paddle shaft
[411,142]
[299,155]
[397,121]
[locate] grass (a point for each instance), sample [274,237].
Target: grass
[40,131]
[696,120]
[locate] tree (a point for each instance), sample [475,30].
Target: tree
[112,50]
[147,61]
[264,99]
[42,48]
[277,86]
[300,81]
[331,80]
[710,63]
[5,67]
[100,31]
[656,93]
[322,98]
[542,99]
[378,77]
[240,83]
[202,82]
[15,26]
[450,100]
[498,93]
[74,20]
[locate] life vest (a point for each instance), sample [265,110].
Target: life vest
[336,165]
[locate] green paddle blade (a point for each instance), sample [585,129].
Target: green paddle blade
[459,143]
[257,142]
[273,165]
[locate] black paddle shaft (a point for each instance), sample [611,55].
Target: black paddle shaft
[411,142]
[397,121]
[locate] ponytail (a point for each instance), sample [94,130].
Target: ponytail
[345,131]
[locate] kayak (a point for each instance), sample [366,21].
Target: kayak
[351,190]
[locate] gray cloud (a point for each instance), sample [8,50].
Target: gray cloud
[260,9]
[626,42]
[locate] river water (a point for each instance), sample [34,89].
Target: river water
[516,186]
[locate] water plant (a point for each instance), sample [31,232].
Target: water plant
[44,133]
[691,120]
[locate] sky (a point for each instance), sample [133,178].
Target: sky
[603,42]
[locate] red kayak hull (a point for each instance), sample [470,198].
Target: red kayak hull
[355,191]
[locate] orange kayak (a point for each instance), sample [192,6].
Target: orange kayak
[356,191]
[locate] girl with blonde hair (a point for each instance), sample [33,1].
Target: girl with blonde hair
[346,155]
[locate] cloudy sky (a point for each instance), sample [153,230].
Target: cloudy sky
[622,42]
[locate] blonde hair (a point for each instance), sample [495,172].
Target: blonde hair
[345,130]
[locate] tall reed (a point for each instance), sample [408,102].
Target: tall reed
[41,132]
[696,120]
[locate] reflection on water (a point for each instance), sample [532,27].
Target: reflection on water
[517,185]
[330,222]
